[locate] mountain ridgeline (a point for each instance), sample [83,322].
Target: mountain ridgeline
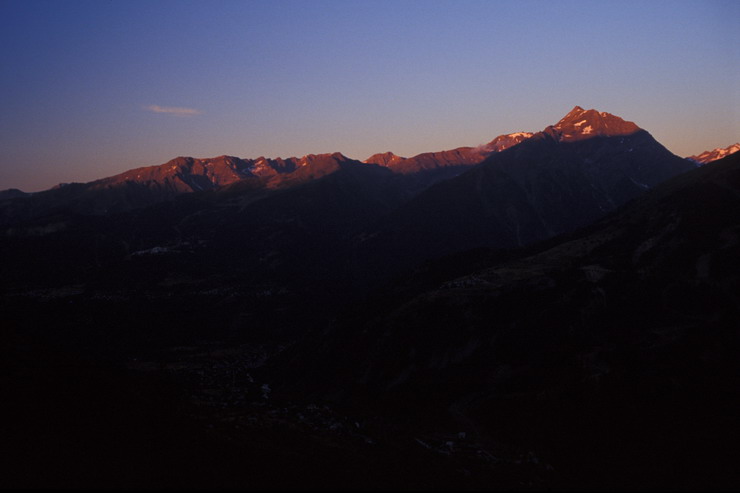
[550,310]
[327,220]
[149,185]
[555,181]
[599,186]
[715,154]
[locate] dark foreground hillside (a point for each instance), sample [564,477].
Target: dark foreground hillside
[78,423]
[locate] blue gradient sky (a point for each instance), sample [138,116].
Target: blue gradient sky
[79,79]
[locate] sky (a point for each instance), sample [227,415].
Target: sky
[89,89]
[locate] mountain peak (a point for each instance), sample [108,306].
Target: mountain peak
[581,124]
[505,141]
[12,193]
[715,154]
[383,159]
[337,156]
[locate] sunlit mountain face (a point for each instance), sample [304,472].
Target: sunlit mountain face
[713,155]
[551,309]
[146,186]
[581,124]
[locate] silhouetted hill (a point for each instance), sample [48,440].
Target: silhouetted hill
[12,193]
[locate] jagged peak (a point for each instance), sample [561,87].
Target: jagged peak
[383,159]
[581,124]
[180,160]
[333,155]
[577,110]
[339,156]
[505,141]
[715,154]
[223,157]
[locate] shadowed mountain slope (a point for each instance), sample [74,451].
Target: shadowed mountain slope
[609,355]
[555,181]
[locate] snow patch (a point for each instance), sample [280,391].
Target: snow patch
[639,184]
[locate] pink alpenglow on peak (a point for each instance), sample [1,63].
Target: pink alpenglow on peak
[503,142]
[715,154]
[460,157]
[580,124]
[386,159]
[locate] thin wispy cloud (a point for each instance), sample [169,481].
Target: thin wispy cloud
[172,110]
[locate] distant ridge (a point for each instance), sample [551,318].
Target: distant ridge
[607,173]
[145,186]
[460,157]
[12,193]
[715,154]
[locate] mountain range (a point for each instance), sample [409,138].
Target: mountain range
[326,220]
[145,186]
[554,309]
